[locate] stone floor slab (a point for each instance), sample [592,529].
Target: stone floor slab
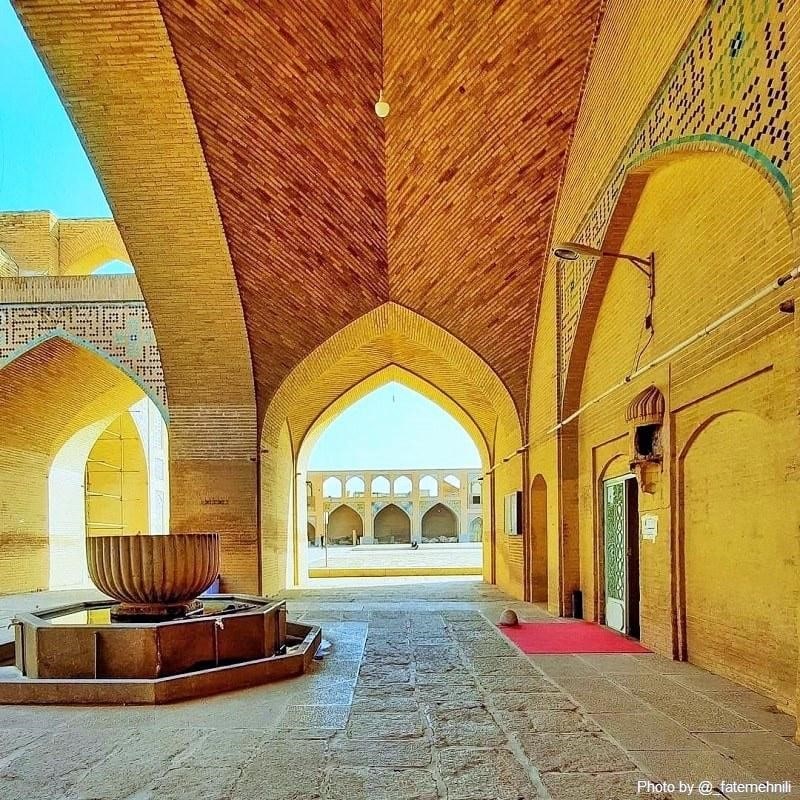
[611,663]
[598,695]
[530,701]
[285,771]
[766,755]
[381,752]
[182,782]
[302,717]
[689,765]
[650,731]
[567,666]
[385,725]
[457,725]
[622,786]
[573,752]
[358,783]
[758,709]
[484,775]
[523,684]
[545,721]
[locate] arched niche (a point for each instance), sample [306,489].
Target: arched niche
[439,524]
[392,525]
[344,526]
[538,544]
[738,527]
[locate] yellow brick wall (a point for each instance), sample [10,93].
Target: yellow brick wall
[721,226]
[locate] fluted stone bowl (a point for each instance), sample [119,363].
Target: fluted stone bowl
[153,574]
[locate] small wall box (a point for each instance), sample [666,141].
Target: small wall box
[513,513]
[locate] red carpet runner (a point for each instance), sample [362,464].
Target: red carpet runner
[570,637]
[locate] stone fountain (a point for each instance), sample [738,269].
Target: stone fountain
[158,639]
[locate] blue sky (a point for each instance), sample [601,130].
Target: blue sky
[42,163]
[43,167]
[394,428]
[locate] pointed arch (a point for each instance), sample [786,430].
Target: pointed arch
[392,525]
[428,486]
[402,486]
[355,486]
[55,400]
[439,524]
[390,343]
[332,487]
[345,525]
[380,486]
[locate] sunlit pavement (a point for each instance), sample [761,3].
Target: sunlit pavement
[421,697]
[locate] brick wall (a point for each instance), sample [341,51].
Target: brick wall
[720,222]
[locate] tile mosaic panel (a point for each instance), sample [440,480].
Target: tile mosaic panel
[121,332]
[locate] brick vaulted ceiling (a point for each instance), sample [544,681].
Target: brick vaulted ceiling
[444,207]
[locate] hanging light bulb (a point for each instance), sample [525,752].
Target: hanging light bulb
[382,108]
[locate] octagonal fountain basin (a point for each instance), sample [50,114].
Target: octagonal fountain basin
[156,577]
[83,653]
[160,642]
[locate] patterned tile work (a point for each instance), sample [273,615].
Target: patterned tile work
[728,88]
[121,332]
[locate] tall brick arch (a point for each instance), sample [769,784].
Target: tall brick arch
[48,393]
[390,343]
[597,276]
[129,107]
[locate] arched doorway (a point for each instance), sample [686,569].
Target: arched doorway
[312,534]
[473,396]
[345,526]
[538,545]
[392,526]
[439,524]
[476,530]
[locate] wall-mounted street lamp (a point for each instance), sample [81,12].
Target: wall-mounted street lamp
[572,251]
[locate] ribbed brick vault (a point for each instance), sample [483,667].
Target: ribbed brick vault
[444,207]
[328,212]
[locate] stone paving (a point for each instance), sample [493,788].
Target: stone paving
[420,698]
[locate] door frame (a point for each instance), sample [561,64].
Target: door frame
[632,577]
